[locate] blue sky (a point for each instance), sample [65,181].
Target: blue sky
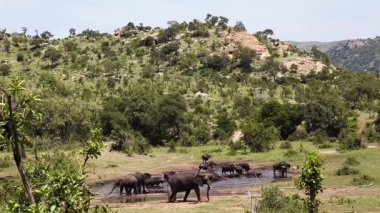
[303,20]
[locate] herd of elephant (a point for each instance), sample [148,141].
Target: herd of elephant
[187,181]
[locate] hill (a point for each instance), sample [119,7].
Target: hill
[307,45]
[357,55]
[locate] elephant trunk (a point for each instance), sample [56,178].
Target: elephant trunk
[114,187]
[208,192]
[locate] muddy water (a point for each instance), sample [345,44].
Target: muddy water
[226,186]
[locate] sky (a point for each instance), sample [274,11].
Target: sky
[299,20]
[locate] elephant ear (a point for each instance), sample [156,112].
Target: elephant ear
[198,180]
[147,176]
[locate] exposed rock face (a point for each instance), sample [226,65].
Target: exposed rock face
[305,64]
[245,39]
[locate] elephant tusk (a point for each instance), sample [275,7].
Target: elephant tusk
[210,186]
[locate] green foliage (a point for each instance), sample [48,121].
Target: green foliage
[216,62]
[352,161]
[53,55]
[362,180]
[286,145]
[94,146]
[346,170]
[310,179]
[320,55]
[258,137]
[274,200]
[58,187]
[225,125]
[240,27]
[5,68]
[246,56]
[283,116]
[349,140]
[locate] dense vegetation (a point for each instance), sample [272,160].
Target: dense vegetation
[180,86]
[355,55]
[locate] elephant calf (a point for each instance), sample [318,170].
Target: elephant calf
[154,181]
[245,166]
[187,181]
[239,170]
[128,183]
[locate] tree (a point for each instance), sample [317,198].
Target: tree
[258,137]
[53,55]
[240,27]
[246,56]
[24,30]
[5,68]
[16,111]
[285,117]
[72,32]
[311,179]
[46,35]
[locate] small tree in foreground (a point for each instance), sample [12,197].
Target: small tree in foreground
[311,179]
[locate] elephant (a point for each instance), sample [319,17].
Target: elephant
[168,174]
[205,157]
[254,174]
[239,170]
[230,168]
[141,181]
[206,166]
[212,176]
[154,181]
[128,183]
[245,166]
[282,167]
[187,181]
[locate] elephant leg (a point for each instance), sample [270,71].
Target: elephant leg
[274,173]
[196,189]
[186,195]
[173,197]
[121,189]
[144,190]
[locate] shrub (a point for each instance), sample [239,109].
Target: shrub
[290,153]
[20,57]
[346,170]
[298,134]
[274,200]
[352,161]
[259,138]
[172,147]
[5,162]
[362,180]
[216,62]
[286,145]
[348,140]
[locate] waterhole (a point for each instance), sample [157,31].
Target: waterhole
[226,186]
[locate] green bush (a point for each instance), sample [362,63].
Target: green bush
[352,161]
[274,200]
[362,180]
[258,137]
[348,140]
[5,162]
[346,170]
[286,145]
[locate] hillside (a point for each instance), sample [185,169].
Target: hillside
[307,45]
[357,55]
